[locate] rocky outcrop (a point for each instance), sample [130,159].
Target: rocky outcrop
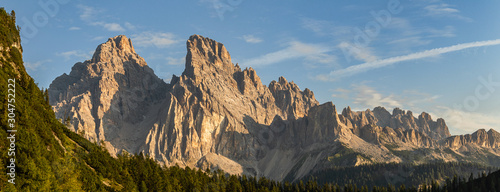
[490,139]
[290,99]
[217,115]
[399,119]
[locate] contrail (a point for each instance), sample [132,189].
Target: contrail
[355,69]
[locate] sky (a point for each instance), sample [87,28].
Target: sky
[441,57]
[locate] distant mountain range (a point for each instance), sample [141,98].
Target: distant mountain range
[219,116]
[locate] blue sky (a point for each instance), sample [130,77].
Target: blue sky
[441,57]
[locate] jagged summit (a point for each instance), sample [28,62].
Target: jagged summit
[108,92]
[116,47]
[205,55]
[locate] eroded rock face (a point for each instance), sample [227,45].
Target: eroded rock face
[399,119]
[216,115]
[214,107]
[294,102]
[490,139]
[105,95]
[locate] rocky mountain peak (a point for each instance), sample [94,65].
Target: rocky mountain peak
[282,80]
[119,47]
[493,132]
[425,116]
[347,112]
[113,89]
[398,111]
[205,54]
[291,99]
[380,109]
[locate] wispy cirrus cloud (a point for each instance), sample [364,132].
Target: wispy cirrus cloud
[363,53]
[444,10]
[411,36]
[414,41]
[440,9]
[110,26]
[326,28]
[157,39]
[90,16]
[74,54]
[251,39]
[98,38]
[447,31]
[34,66]
[464,122]
[130,26]
[355,69]
[313,53]
[368,97]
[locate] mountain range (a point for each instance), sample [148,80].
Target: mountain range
[217,115]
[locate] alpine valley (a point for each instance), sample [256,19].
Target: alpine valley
[219,116]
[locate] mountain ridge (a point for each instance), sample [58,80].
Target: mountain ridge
[216,115]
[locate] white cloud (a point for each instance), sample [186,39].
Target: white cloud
[368,97]
[33,66]
[251,39]
[361,53]
[176,61]
[74,54]
[89,15]
[321,58]
[110,26]
[444,10]
[447,31]
[313,53]
[407,30]
[325,28]
[341,93]
[316,26]
[219,7]
[467,122]
[440,9]
[410,36]
[74,28]
[355,69]
[160,40]
[130,26]
[414,41]
[98,38]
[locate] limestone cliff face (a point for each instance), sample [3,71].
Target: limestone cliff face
[104,96]
[215,112]
[490,139]
[214,108]
[217,115]
[291,99]
[401,120]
